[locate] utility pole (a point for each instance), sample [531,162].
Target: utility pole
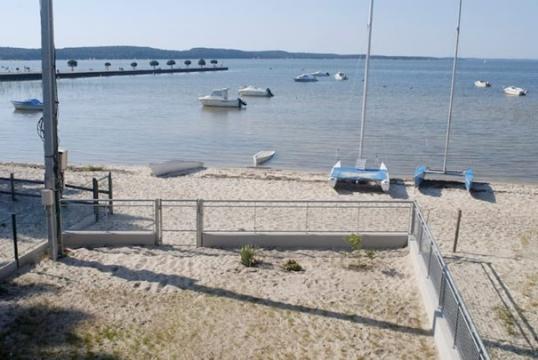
[51,194]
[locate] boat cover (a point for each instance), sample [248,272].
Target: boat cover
[354,174]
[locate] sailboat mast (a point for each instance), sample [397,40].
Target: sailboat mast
[452,87]
[366,68]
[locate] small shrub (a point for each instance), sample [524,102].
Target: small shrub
[370,254]
[507,319]
[247,253]
[355,241]
[292,265]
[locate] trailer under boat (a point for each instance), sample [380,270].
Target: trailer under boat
[358,175]
[422,171]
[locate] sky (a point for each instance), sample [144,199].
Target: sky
[490,28]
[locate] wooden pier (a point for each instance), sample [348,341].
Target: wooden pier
[28,76]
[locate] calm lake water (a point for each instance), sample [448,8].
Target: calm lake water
[142,119]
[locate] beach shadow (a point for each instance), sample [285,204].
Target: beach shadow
[185,283]
[483,192]
[398,190]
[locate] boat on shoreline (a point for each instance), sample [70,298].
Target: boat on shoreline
[254,91]
[28,105]
[263,156]
[482,84]
[515,91]
[219,98]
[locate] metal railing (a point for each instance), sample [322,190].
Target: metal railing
[465,337]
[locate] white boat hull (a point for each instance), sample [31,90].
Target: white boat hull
[249,91]
[306,78]
[229,103]
[262,157]
[515,91]
[481,84]
[340,76]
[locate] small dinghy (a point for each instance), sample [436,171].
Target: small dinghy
[219,98]
[175,168]
[515,91]
[482,84]
[340,76]
[306,78]
[28,105]
[320,74]
[263,156]
[254,91]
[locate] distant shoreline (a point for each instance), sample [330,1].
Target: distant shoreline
[141,53]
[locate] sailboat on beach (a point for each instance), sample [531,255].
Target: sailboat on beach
[360,173]
[423,170]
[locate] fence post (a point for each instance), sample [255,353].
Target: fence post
[430,259]
[12,184]
[158,217]
[95,190]
[457,234]
[110,203]
[15,245]
[199,222]
[412,219]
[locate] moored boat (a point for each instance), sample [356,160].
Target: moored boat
[254,91]
[263,156]
[28,105]
[320,74]
[481,84]
[515,91]
[219,98]
[306,78]
[340,76]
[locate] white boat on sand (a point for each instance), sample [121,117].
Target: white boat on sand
[481,84]
[254,91]
[263,156]
[340,76]
[306,78]
[28,105]
[515,91]
[320,74]
[219,98]
[175,168]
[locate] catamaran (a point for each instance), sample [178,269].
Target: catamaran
[423,170]
[360,173]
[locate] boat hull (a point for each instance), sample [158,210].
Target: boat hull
[231,103]
[22,106]
[256,92]
[262,157]
[340,174]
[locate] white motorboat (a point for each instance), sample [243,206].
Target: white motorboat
[219,98]
[340,76]
[481,84]
[263,156]
[28,105]
[320,74]
[306,78]
[515,91]
[254,91]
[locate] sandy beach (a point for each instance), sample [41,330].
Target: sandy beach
[370,314]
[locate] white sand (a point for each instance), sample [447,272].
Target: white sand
[496,265]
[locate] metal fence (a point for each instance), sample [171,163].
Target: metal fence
[183,222]
[465,337]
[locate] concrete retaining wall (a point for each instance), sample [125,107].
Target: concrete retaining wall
[94,239]
[30,258]
[302,240]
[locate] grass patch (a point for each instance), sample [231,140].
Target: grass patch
[292,265]
[507,319]
[88,168]
[248,253]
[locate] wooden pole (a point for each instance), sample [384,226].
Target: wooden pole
[110,203]
[457,234]
[95,184]
[12,183]
[15,245]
